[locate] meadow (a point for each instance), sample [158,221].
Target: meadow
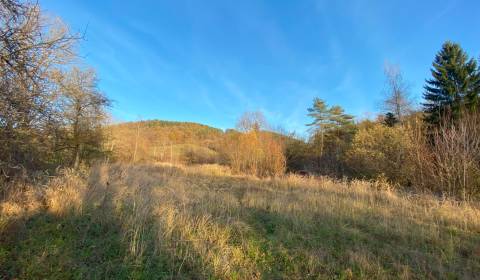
[392,192]
[159,221]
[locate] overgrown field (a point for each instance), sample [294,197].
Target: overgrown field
[161,222]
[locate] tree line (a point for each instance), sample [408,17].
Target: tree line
[434,147]
[52,114]
[51,110]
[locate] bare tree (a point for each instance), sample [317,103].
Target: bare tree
[252,121]
[397,97]
[83,111]
[31,46]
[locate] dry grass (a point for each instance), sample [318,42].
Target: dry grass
[167,222]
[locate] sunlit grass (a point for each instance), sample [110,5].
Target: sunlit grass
[196,222]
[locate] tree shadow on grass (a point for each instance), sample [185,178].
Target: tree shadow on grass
[74,247]
[91,245]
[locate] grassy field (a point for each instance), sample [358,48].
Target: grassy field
[161,222]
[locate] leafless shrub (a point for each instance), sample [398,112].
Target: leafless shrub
[446,159]
[456,153]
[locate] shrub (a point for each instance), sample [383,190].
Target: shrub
[65,194]
[455,151]
[255,153]
[194,154]
[378,150]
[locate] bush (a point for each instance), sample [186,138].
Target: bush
[455,150]
[379,150]
[255,153]
[194,154]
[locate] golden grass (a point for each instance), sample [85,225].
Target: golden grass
[203,222]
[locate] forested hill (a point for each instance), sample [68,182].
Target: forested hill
[158,140]
[171,141]
[172,131]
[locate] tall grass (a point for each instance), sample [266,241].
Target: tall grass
[146,221]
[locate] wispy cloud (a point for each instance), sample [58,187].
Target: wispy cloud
[237,92]
[431,20]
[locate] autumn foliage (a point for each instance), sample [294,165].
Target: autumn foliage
[254,152]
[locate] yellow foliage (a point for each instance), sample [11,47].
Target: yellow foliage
[255,153]
[378,150]
[163,141]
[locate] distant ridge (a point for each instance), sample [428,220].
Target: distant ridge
[159,140]
[164,123]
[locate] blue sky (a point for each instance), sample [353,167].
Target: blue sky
[209,61]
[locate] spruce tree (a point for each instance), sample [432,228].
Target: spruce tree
[454,86]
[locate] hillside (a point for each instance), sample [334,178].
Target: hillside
[164,141]
[166,222]
[173,142]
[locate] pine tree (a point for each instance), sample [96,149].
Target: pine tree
[327,120]
[454,87]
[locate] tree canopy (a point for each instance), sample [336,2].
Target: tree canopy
[454,86]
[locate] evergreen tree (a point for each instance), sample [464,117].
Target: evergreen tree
[327,120]
[454,87]
[390,119]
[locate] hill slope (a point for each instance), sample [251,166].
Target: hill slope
[166,141]
[173,142]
